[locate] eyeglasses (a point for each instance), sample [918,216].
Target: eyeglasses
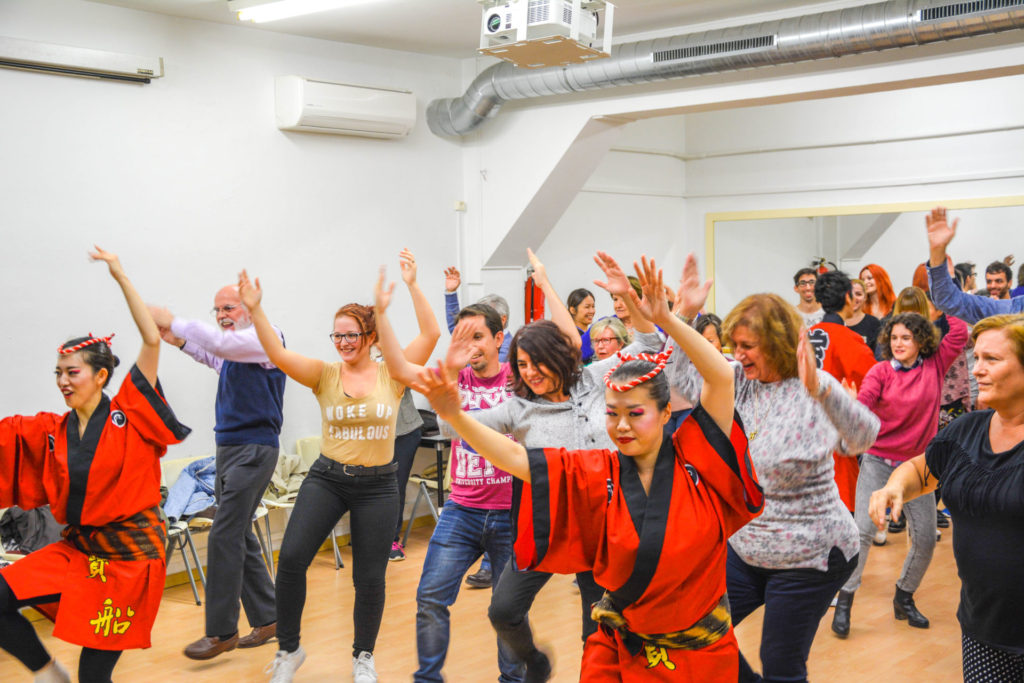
[806,283]
[350,337]
[608,340]
[216,310]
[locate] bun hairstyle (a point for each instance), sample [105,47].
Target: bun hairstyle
[364,317]
[643,369]
[95,352]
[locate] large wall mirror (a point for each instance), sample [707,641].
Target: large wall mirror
[759,251]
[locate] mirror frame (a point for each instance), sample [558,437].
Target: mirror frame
[710,219]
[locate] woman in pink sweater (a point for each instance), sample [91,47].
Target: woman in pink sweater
[904,391]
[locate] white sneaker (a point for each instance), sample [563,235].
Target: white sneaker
[880,537]
[363,670]
[283,668]
[52,673]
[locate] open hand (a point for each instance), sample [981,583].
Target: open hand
[806,366]
[616,281]
[654,304]
[248,291]
[888,497]
[692,293]
[460,350]
[408,264]
[441,390]
[452,279]
[940,232]
[382,292]
[113,263]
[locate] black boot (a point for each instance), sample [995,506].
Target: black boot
[904,608]
[538,668]
[841,618]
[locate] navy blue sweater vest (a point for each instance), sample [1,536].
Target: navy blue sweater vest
[249,403]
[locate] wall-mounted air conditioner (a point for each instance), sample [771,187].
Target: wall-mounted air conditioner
[65,60]
[303,104]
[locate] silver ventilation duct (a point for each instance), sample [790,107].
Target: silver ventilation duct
[868,28]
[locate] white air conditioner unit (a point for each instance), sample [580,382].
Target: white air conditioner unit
[303,104]
[65,60]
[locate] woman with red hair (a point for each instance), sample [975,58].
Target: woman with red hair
[878,288]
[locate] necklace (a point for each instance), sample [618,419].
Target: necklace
[758,415]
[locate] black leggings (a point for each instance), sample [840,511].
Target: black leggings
[405,452]
[327,494]
[19,639]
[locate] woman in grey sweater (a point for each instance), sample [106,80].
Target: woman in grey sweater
[803,547]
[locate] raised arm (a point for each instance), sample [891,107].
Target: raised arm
[452,280]
[617,283]
[908,481]
[149,355]
[420,348]
[946,296]
[559,313]
[305,371]
[717,395]
[440,389]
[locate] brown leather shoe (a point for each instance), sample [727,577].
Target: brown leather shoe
[210,646]
[259,635]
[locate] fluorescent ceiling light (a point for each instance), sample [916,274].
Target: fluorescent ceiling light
[283,9]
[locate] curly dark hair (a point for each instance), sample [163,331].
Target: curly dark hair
[548,346]
[926,335]
[831,289]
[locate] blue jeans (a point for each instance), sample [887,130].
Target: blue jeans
[794,602]
[462,534]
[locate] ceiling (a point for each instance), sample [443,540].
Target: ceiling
[451,28]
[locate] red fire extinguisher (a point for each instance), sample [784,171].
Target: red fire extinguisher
[534,299]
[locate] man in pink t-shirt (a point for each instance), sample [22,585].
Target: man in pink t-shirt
[476,518]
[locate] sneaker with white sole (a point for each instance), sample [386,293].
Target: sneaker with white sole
[397,553]
[880,537]
[283,668]
[363,670]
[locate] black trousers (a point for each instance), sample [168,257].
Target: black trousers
[514,595]
[405,453]
[19,638]
[235,565]
[326,494]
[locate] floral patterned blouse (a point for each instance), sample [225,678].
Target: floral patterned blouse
[792,436]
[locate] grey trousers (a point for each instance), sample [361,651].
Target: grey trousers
[920,515]
[235,565]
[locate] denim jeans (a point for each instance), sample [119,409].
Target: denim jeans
[920,516]
[326,494]
[794,602]
[462,534]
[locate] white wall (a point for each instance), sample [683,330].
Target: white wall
[189,180]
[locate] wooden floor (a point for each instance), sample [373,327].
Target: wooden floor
[879,648]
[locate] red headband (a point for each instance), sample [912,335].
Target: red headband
[88,342]
[660,360]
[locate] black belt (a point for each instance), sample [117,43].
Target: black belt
[360,470]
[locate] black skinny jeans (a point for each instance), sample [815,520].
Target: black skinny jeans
[19,639]
[514,595]
[327,494]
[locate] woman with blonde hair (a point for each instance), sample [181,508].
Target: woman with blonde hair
[979,459]
[609,336]
[802,548]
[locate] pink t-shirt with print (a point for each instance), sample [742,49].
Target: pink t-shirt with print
[477,483]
